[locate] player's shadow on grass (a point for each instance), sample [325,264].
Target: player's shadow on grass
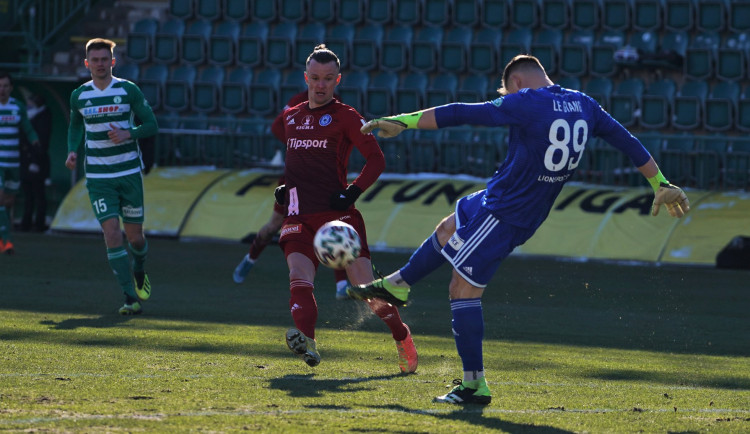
[474,414]
[104,321]
[299,386]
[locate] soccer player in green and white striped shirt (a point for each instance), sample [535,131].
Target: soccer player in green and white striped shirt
[13,120]
[102,115]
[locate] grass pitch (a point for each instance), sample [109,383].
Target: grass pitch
[569,347]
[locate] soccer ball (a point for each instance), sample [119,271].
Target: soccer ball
[337,244]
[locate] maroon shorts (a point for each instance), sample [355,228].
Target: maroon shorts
[297,232]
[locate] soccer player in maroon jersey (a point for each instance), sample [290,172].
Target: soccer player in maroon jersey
[319,136]
[273,225]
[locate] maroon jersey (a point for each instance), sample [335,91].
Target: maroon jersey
[318,144]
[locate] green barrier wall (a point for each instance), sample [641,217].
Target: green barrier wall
[401,211]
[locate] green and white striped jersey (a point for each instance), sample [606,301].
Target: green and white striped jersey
[13,118]
[98,110]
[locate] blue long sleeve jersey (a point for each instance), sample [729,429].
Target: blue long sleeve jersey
[548,132]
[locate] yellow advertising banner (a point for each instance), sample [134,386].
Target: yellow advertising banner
[598,222]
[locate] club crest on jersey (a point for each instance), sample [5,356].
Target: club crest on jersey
[325,120]
[117,99]
[307,123]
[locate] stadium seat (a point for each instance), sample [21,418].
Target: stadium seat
[394,50]
[679,15]
[671,52]
[441,90]
[711,15]
[743,110]
[423,152]
[152,82]
[436,12]
[379,12]
[209,10]
[689,104]
[293,83]
[365,47]
[195,42]
[205,97]
[721,106]
[141,40]
[167,41]
[731,57]
[737,166]
[570,82]
[603,53]
[408,12]
[487,148]
[647,15]
[292,10]
[235,89]
[656,103]
[524,13]
[494,82]
[178,88]
[675,158]
[425,49]
[278,49]
[701,56]
[182,9]
[262,100]
[396,155]
[575,53]
[644,43]
[555,14]
[381,94]
[466,12]
[600,89]
[453,150]
[483,51]
[222,43]
[739,16]
[708,161]
[251,42]
[584,14]
[473,88]
[264,10]
[546,46]
[496,14]
[127,71]
[350,11]
[353,88]
[323,11]
[515,41]
[455,48]
[410,95]
[616,14]
[625,100]
[309,36]
[339,40]
[236,10]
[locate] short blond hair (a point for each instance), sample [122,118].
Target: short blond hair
[522,62]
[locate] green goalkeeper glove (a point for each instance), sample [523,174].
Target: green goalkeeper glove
[668,195]
[673,198]
[392,126]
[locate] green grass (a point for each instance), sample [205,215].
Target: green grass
[569,347]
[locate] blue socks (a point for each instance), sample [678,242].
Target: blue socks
[426,259]
[468,331]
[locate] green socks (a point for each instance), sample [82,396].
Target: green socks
[120,263]
[139,257]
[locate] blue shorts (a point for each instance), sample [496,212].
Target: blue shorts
[481,240]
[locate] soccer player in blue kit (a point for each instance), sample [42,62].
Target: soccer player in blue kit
[549,129]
